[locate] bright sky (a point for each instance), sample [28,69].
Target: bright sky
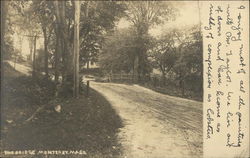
[189,15]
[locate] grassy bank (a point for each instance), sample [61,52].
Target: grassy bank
[174,91]
[87,123]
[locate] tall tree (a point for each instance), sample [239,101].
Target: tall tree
[4,12]
[143,15]
[63,31]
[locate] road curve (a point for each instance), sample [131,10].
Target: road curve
[155,125]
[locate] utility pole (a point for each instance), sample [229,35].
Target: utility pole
[76,49]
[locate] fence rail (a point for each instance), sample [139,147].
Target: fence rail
[155,80]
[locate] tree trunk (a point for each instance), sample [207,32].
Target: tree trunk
[4,12]
[76,49]
[66,53]
[142,30]
[57,55]
[46,54]
[163,72]
[66,47]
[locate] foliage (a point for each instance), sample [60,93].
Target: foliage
[119,51]
[97,19]
[45,17]
[164,53]
[178,55]
[8,48]
[144,15]
[189,64]
[12,22]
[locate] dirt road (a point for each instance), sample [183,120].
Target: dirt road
[21,68]
[155,125]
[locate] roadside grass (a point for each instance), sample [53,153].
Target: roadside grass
[174,91]
[87,123]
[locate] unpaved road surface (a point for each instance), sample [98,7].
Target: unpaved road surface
[21,68]
[155,125]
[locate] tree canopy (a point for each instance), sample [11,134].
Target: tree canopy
[176,53]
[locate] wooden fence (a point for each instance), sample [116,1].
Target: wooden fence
[130,78]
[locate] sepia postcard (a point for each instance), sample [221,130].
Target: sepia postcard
[124,79]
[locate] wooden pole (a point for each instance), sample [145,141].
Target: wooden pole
[87,91]
[76,49]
